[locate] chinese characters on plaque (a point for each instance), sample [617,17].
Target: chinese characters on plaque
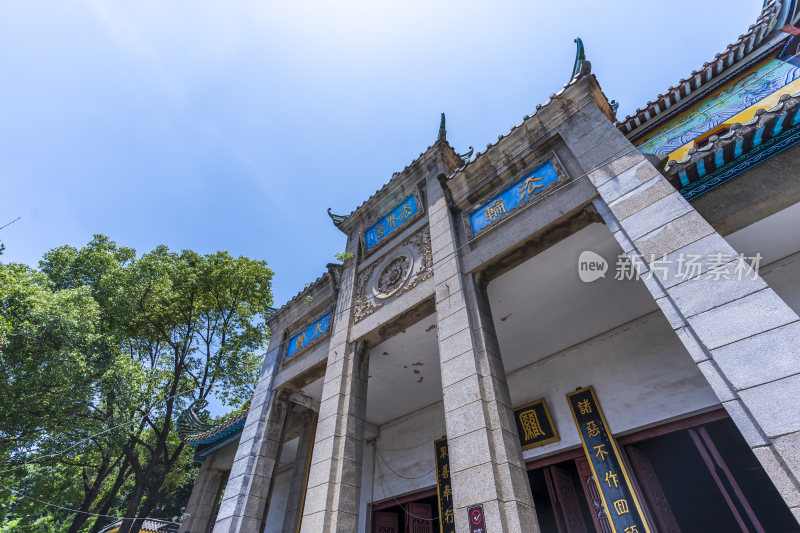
[610,476]
[398,216]
[527,187]
[535,425]
[309,335]
[447,522]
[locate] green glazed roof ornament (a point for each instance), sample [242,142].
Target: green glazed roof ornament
[337,219]
[193,420]
[581,66]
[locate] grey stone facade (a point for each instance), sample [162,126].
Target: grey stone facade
[742,336]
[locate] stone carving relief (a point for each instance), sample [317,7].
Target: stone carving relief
[393,275]
[400,271]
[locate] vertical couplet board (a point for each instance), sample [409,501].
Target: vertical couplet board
[444,491]
[612,480]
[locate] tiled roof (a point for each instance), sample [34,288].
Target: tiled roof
[773,15]
[553,97]
[306,289]
[220,431]
[150,525]
[394,177]
[744,145]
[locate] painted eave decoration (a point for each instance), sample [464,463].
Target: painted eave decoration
[760,87]
[741,148]
[149,525]
[774,15]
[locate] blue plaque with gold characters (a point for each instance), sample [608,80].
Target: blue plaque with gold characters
[535,425]
[529,186]
[619,499]
[394,220]
[309,335]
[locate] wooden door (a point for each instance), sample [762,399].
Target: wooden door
[592,495]
[568,501]
[728,487]
[386,522]
[419,518]
[658,504]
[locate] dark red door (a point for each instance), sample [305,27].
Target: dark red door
[593,498]
[386,523]
[568,501]
[658,504]
[419,518]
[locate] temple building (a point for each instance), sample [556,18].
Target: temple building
[590,326]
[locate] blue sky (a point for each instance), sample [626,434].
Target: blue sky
[234,125]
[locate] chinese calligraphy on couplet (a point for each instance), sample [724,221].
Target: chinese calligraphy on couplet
[610,476]
[444,490]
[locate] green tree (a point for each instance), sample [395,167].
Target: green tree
[49,356]
[160,330]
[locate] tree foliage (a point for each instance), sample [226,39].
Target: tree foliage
[99,352]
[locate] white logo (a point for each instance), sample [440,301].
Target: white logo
[591,266]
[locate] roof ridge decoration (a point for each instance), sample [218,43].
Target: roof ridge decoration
[337,219]
[580,69]
[468,154]
[193,420]
[195,433]
[581,66]
[395,175]
[774,14]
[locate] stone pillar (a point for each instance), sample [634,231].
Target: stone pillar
[297,487]
[740,333]
[203,499]
[245,501]
[332,496]
[485,453]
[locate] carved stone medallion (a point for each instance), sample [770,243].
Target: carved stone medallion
[400,271]
[393,273]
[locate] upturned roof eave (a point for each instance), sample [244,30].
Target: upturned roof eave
[351,220]
[759,40]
